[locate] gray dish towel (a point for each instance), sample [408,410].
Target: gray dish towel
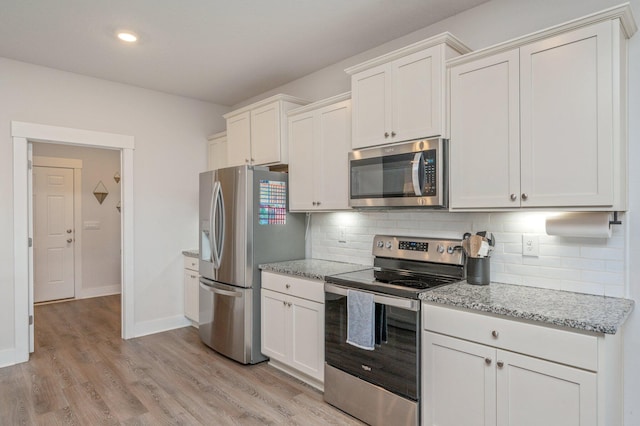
[360,319]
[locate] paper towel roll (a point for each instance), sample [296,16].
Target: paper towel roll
[587,225]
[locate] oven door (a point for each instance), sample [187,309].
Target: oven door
[394,362]
[410,174]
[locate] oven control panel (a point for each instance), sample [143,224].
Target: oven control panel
[421,249]
[413,245]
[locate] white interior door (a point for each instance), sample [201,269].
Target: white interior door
[53,242]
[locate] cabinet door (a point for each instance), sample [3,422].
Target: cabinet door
[417,98]
[458,382]
[370,91]
[191,289]
[567,119]
[239,139]
[217,153]
[307,334]
[265,134]
[533,392]
[302,162]
[331,158]
[485,135]
[274,318]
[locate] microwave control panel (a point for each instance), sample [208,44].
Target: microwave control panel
[430,172]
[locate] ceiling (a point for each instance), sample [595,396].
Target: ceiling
[221,51]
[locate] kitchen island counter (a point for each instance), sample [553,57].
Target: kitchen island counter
[315,269]
[579,311]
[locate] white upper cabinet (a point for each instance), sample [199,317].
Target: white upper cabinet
[217,150]
[400,96]
[541,121]
[256,134]
[319,143]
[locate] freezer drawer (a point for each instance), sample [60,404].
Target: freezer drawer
[227,321]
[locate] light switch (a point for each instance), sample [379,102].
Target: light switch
[91,225]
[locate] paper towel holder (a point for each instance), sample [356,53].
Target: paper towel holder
[615,220]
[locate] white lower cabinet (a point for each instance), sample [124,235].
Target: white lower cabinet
[484,370]
[191,289]
[292,325]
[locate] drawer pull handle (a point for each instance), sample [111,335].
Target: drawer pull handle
[500,364]
[288,286]
[495,333]
[487,361]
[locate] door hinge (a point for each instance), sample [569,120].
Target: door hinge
[30,164]
[30,242]
[30,319]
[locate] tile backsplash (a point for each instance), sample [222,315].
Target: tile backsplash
[586,265]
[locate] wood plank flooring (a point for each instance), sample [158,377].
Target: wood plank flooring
[83,373]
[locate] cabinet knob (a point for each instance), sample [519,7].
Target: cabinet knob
[69,240]
[193,276]
[495,333]
[317,203]
[246,160]
[513,197]
[69,231]
[386,134]
[284,303]
[253,159]
[524,196]
[393,134]
[500,364]
[487,361]
[289,304]
[288,286]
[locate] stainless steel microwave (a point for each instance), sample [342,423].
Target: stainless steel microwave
[409,174]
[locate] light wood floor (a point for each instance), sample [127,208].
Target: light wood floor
[83,373]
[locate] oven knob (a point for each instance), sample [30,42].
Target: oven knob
[380,244]
[440,248]
[389,245]
[450,249]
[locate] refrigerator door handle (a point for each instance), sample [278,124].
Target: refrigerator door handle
[217,224]
[220,291]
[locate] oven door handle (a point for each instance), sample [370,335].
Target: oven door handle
[408,304]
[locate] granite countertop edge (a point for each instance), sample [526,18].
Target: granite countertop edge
[315,269]
[587,312]
[191,253]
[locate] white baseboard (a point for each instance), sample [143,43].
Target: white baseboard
[8,358]
[157,326]
[107,290]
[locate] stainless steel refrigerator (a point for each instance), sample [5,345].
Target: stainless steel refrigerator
[244,222]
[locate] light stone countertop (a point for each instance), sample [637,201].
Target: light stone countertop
[312,268]
[191,253]
[580,311]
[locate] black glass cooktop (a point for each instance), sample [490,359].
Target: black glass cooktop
[389,282]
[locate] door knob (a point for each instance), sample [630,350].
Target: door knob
[69,231]
[69,240]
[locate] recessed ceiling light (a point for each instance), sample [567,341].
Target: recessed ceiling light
[127,36]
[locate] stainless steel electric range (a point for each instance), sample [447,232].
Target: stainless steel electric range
[382,386]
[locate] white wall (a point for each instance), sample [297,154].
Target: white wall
[100,249]
[170,144]
[485,25]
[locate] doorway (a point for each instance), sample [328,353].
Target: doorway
[23,133]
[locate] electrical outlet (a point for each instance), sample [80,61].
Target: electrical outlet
[530,245]
[342,234]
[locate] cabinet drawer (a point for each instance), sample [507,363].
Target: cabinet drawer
[191,263]
[566,347]
[294,286]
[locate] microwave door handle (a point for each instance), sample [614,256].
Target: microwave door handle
[417,174]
